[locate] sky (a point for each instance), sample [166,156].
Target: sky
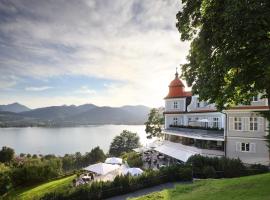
[105,52]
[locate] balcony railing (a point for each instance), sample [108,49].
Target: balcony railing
[196,133]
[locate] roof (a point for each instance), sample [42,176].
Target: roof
[183,152]
[177,89]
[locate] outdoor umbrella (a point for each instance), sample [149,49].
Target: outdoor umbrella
[114,160]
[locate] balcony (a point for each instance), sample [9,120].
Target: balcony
[196,133]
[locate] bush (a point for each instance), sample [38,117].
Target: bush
[209,172]
[214,167]
[124,184]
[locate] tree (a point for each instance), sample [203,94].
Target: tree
[124,142]
[133,159]
[6,154]
[96,155]
[228,61]
[154,124]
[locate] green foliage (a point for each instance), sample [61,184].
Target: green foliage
[34,171]
[29,170]
[124,142]
[133,159]
[124,184]
[209,172]
[37,191]
[5,181]
[228,61]
[212,167]
[6,154]
[154,123]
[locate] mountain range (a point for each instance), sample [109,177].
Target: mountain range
[88,114]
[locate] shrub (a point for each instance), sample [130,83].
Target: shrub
[209,172]
[224,167]
[124,184]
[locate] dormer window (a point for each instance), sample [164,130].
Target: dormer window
[175,104]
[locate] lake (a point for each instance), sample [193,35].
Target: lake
[59,141]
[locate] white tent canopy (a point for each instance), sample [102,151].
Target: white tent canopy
[101,168]
[133,171]
[174,151]
[114,160]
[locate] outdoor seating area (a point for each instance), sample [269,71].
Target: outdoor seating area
[154,160]
[106,171]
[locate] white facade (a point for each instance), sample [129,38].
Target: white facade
[235,133]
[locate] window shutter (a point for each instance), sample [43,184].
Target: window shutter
[253,147]
[260,124]
[238,146]
[231,123]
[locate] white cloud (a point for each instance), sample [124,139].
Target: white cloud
[132,41]
[38,89]
[86,90]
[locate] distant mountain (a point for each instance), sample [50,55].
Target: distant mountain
[58,112]
[111,115]
[83,115]
[14,107]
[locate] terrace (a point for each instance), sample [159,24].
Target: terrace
[201,133]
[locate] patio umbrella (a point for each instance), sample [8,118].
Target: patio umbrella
[101,168]
[114,160]
[133,171]
[203,120]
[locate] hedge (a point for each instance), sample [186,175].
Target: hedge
[124,184]
[214,167]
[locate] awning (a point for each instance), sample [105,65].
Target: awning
[177,153]
[183,152]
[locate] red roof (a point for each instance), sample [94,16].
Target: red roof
[177,89]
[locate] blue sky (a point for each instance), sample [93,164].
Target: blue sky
[106,52]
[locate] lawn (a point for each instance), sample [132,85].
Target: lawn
[36,192]
[245,188]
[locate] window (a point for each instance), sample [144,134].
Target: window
[175,121]
[245,147]
[198,104]
[216,122]
[237,123]
[255,98]
[253,123]
[175,104]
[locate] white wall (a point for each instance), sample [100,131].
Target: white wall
[169,104]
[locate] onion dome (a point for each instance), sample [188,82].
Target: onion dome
[177,88]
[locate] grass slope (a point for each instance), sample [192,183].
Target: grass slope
[35,192]
[245,188]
